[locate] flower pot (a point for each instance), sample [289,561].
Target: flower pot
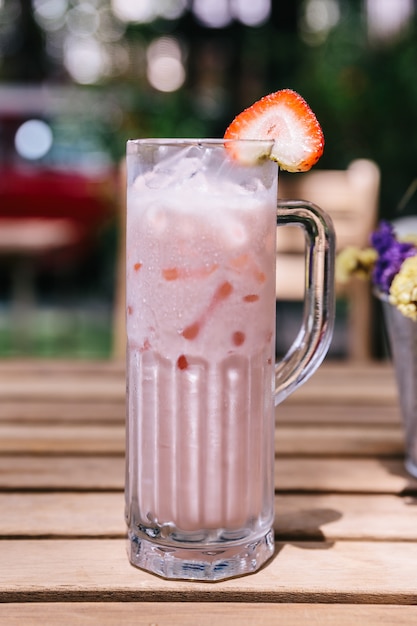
[402,335]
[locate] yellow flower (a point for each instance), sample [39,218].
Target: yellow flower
[410,238]
[352,261]
[403,290]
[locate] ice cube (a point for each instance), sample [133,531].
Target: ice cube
[233,232]
[170,173]
[158,219]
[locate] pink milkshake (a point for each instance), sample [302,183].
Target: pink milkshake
[201,334]
[200,311]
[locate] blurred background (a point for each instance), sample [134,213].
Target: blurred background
[80,77]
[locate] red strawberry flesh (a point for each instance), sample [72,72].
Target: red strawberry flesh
[286,118]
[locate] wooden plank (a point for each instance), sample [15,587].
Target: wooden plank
[74,411]
[374,373]
[325,439]
[57,412]
[310,517]
[336,517]
[333,382]
[334,413]
[209,614]
[348,384]
[51,439]
[324,475]
[339,439]
[380,394]
[335,475]
[66,473]
[62,515]
[12,367]
[62,388]
[93,570]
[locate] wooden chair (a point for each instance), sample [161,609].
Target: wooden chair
[23,241]
[351,198]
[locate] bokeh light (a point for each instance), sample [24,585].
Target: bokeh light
[135,10]
[33,139]
[148,10]
[110,29]
[318,19]
[83,19]
[171,9]
[251,13]
[165,69]
[50,14]
[215,14]
[386,18]
[85,59]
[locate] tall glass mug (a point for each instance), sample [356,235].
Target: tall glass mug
[201,372]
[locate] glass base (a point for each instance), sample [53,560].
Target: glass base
[411,467]
[203,563]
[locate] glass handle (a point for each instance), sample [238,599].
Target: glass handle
[312,342]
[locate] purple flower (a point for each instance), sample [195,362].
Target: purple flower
[391,254]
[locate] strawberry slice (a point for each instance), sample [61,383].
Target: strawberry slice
[285,117]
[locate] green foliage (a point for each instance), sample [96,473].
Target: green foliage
[365,96]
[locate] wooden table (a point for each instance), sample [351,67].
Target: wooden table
[346,512]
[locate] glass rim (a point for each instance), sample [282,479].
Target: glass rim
[156,141]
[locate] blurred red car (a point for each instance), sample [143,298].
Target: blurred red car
[54,164]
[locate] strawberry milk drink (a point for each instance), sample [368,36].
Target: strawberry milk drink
[201,372]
